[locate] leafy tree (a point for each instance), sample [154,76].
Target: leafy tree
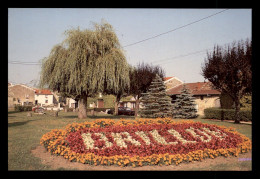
[141,77]
[184,105]
[229,70]
[85,63]
[156,102]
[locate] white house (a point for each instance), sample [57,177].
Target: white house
[71,103]
[43,97]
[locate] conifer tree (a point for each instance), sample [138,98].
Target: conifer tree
[156,102]
[184,106]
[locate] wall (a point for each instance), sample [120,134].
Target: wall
[172,83]
[21,92]
[42,97]
[207,102]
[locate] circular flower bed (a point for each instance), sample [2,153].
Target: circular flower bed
[143,142]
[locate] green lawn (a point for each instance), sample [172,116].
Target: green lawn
[24,134]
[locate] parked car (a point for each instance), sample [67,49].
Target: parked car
[110,111]
[122,111]
[38,109]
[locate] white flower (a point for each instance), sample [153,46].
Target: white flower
[120,141]
[179,137]
[88,141]
[160,139]
[216,133]
[192,131]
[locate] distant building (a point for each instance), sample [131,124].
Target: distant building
[171,82]
[43,97]
[71,103]
[128,103]
[205,95]
[20,94]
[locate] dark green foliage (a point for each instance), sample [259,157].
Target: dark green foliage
[20,108]
[246,102]
[156,102]
[227,114]
[141,77]
[229,70]
[226,101]
[184,105]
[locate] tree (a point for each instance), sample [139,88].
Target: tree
[229,70]
[184,105]
[85,63]
[141,77]
[156,102]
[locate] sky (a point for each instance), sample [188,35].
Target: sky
[33,32]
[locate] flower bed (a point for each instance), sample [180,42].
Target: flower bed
[143,142]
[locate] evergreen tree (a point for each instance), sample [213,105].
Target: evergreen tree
[156,102]
[184,106]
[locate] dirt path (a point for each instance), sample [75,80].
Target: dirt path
[57,162]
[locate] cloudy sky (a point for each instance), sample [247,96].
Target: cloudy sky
[175,39]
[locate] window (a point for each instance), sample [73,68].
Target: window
[46,101]
[46,96]
[201,97]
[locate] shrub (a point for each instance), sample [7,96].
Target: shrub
[20,108]
[17,107]
[102,109]
[227,114]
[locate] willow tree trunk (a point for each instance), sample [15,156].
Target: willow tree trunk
[82,108]
[116,104]
[116,108]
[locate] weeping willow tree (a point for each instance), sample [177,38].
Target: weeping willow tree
[85,63]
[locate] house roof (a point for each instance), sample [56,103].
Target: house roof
[167,78]
[44,91]
[199,88]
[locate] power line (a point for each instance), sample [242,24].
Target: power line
[175,29]
[184,55]
[180,56]
[24,63]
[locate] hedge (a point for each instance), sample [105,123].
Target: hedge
[99,109]
[20,108]
[227,114]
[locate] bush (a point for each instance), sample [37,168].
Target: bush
[102,109]
[227,114]
[20,108]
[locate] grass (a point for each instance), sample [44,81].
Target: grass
[24,134]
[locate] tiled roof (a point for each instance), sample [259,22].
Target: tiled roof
[45,92]
[167,78]
[199,88]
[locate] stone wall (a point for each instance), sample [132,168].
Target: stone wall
[206,102]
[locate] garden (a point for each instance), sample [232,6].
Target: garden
[129,143]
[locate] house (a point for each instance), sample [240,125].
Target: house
[128,103]
[205,95]
[20,94]
[171,82]
[43,97]
[71,103]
